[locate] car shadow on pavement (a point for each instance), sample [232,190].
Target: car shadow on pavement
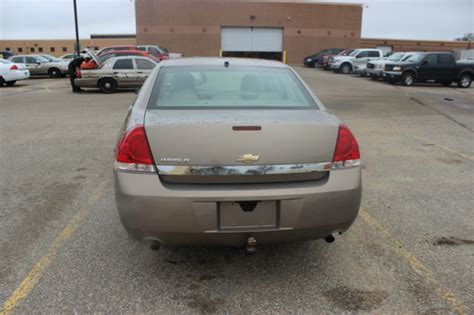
[95,91]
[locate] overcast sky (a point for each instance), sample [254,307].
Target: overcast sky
[406,19]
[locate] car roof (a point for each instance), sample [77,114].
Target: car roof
[27,55]
[110,60]
[117,46]
[433,52]
[141,52]
[218,61]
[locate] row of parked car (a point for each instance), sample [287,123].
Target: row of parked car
[123,66]
[406,68]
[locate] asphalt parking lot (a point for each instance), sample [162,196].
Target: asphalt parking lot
[411,249]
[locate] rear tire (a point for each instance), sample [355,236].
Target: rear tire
[2,82]
[10,83]
[408,79]
[346,68]
[108,85]
[464,81]
[54,73]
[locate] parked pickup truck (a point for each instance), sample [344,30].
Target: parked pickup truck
[439,67]
[356,61]
[375,68]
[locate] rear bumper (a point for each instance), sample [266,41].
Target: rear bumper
[16,75]
[188,214]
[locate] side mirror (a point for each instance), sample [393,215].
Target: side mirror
[425,62]
[38,63]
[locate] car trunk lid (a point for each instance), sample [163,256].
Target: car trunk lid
[241,146]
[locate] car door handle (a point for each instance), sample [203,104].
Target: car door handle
[115,72]
[140,72]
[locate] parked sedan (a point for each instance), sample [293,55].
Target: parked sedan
[11,72]
[115,48]
[39,65]
[159,52]
[233,152]
[5,54]
[116,73]
[312,61]
[92,64]
[53,58]
[69,57]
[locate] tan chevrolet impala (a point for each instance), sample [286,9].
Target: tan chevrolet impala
[223,151]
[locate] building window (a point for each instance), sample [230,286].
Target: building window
[20,50]
[53,49]
[32,49]
[7,49]
[96,47]
[40,49]
[64,49]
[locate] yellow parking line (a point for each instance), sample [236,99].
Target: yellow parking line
[35,274]
[466,156]
[425,141]
[416,265]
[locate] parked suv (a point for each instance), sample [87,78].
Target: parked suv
[313,60]
[356,61]
[439,67]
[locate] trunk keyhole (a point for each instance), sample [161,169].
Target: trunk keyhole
[248,206]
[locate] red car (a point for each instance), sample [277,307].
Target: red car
[106,50]
[116,53]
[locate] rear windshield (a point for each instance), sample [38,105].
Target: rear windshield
[229,88]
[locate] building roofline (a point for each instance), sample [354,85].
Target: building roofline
[361,4]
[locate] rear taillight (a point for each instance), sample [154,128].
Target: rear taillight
[14,67]
[347,152]
[78,74]
[133,152]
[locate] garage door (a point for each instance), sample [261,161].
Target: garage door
[255,39]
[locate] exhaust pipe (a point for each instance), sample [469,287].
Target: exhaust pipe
[155,245]
[329,238]
[251,246]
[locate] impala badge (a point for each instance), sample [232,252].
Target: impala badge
[248,158]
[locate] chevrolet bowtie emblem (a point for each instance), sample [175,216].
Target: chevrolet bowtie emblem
[248,158]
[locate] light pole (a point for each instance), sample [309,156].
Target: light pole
[78,48]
